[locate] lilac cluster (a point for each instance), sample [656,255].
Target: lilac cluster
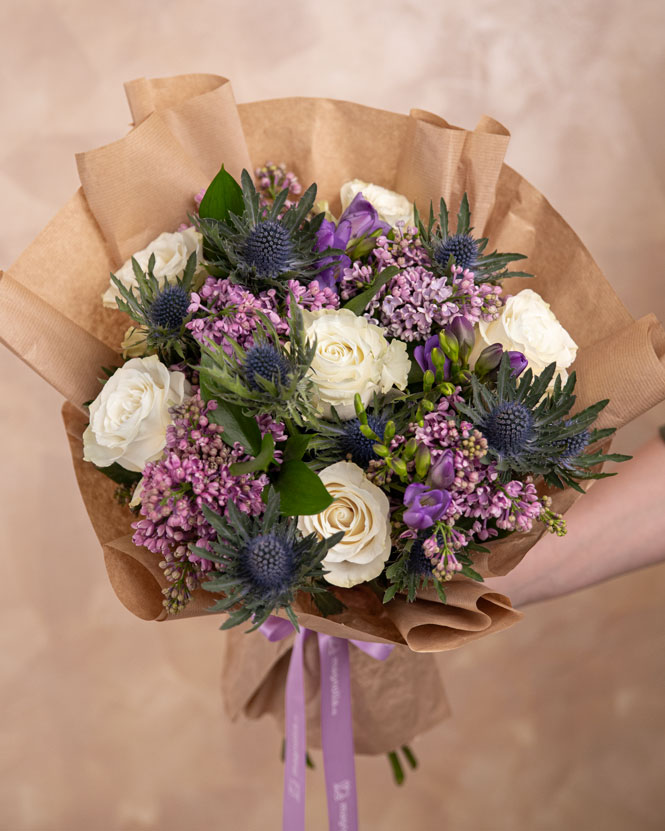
[417,300]
[193,472]
[224,309]
[273,178]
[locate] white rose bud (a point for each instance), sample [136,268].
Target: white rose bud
[171,254]
[528,325]
[362,511]
[352,356]
[391,207]
[129,417]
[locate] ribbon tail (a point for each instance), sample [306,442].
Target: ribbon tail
[337,734]
[293,817]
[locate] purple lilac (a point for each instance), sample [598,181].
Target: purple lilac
[193,472]
[226,309]
[475,491]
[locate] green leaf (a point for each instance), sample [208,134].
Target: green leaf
[391,591]
[237,427]
[359,303]
[327,603]
[296,446]
[261,461]
[223,196]
[300,490]
[120,475]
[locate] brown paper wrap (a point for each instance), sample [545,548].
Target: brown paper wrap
[140,185]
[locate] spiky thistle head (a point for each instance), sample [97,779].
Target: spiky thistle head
[262,562]
[337,440]
[528,429]
[270,377]
[264,246]
[461,248]
[160,310]
[411,571]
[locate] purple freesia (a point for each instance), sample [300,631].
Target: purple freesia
[423,354]
[362,218]
[442,472]
[331,236]
[490,358]
[425,505]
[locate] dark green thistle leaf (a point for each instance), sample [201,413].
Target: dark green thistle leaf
[222,198]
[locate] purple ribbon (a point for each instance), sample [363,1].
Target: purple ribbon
[336,726]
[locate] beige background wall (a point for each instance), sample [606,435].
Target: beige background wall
[112,724]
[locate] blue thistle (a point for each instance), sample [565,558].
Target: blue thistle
[352,442]
[508,427]
[268,562]
[262,563]
[418,563]
[268,248]
[463,248]
[169,308]
[266,362]
[521,421]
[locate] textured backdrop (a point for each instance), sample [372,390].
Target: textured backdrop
[111,724]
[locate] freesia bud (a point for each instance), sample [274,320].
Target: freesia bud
[464,333]
[423,459]
[442,472]
[489,359]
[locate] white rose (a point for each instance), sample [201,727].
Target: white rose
[352,356]
[362,511]
[528,325]
[171,254]
[129,417]
[391,207]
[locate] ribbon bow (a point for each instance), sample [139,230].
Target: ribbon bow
[336,726]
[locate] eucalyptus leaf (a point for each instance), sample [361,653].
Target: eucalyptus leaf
[260,462]
[237,427]
[300,490]
[224,196]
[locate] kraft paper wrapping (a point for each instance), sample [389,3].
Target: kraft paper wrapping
[143,184]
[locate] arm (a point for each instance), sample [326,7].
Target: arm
[619,526]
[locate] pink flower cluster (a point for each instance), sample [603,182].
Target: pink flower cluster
[416,301]
[225,309]
[194,472]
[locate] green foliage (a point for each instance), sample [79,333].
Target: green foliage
[222,198]
[301,490]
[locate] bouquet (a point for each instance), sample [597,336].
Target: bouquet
[334,408]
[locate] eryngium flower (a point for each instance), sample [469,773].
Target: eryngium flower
[261,563]
[525,428]
[169,308]
[461,249]
[265,246]
[270,377]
